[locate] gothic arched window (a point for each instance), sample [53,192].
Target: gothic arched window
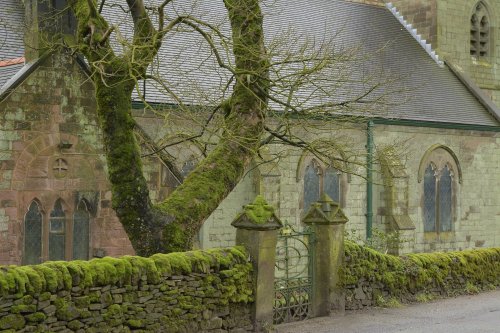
[479,32]
[81,232]
[441,175]
[57,232]
[33,235]
[320,179]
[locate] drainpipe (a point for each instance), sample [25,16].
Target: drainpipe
[369,178]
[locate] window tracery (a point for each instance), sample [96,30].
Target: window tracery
[440,184]
[319,179]
[480,32]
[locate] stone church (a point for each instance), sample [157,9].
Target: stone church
[440,193]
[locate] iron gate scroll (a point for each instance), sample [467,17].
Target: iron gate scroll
[293,275]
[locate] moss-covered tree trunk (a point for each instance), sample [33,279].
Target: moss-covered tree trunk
[130,192]
[172,224]
[217,175]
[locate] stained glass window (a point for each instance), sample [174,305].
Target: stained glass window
[331,184]
[81,232]
[445,200]
[311,185]
[33,235]
[57,226]
[429,199]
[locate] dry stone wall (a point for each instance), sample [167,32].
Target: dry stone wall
[372,278]
[199,291]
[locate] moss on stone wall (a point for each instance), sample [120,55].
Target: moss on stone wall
[185,291]
[368,273]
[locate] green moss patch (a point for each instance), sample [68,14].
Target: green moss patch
[451,273]
[51,277]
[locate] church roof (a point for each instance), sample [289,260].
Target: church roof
[427,91]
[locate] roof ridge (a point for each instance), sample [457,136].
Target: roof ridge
[423,43]
[10,62]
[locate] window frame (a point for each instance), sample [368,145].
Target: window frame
[47,232]
[437,225]
[480,11]
[440,157]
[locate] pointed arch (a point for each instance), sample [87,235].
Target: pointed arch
[306,157]
[33,223]
[480,31]
[81,231]
[425,159]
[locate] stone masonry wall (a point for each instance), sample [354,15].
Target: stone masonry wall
[375,279]
[54,104]
[178,292]
[476,207]
[454,42]
[422,14]
[446,25]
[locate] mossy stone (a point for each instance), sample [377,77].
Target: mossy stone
[12,321]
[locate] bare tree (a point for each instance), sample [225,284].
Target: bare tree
[277,91]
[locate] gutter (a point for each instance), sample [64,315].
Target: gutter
[369,178]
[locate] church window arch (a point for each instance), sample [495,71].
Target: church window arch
[33,222]
[81,231]
[440,172]
[318,179]
[480,32]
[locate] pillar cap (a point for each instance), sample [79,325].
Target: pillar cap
[258,215]
[325,211]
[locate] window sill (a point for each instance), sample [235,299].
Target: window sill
[481,62]
[444,236]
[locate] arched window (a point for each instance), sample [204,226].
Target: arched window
[480,32]
[320,179]
[57,232]
[81,232]
[441,178]
[33,235]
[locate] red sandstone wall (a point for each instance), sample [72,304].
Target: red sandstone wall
[54,104]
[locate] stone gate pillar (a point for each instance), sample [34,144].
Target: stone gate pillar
[327,220]
[257,231]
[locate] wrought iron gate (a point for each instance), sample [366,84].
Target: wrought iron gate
[293,275]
